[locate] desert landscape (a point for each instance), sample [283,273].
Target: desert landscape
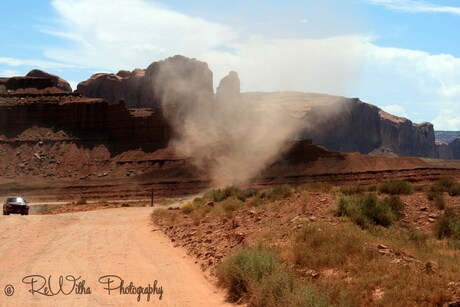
[327,200]
[238,153]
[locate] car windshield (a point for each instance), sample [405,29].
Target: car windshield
[15,200]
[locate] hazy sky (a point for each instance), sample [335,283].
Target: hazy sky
[401,55]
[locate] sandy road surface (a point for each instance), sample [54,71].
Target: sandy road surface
[93,244]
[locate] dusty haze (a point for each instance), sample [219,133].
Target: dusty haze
[225,136]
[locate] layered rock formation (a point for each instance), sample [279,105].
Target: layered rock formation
[176,81]
[36,101]
[350,125]
[183,86]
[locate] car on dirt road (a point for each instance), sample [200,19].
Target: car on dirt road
[15,205]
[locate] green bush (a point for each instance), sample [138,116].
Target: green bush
[396,204]
[219,195]
[454,190]
[396,187]
[380,213]
[448,225]
[448,185]
[367,209]
[231,204]
[444,184]
[277,193]
[240,271]
[247,193]
[439,201]
[256,275]
[187,208]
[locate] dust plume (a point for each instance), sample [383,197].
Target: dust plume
[225,136]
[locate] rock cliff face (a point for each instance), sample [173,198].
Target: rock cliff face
[364,128]
[181,86]
[57,81]
[88,121]
[229,88]
[454,147]
[350,125]
[444,152]
[176,81]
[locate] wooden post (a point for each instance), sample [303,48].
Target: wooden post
[151,202]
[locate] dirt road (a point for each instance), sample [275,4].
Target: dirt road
[90,245]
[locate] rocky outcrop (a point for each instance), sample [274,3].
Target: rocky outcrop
[364,128]
[229,88]
[444,152]
[454,148]
[350,125]
[21,83]
[57,81]
[89,121]
[406,138]
[174,82]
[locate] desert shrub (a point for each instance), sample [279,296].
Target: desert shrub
[396,204]
[454,190]
[396,187]
[417,237]
[219,195]
[367,209]
[187,208]
[322,245]
[277,193]
[256,201]
[439,201]
[305,295]
[256,275]
[240,271]
[432,194]
[357,189]
[380,213]
[448,225]
[440,186]
[444,184]
[160,213]
[198,202]
[231,204]
[247,193]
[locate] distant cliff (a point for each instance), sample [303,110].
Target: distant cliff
[337,123]
[175,80]
[26,102]
[350,125]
